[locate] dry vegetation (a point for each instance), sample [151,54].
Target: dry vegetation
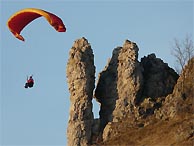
[178,132]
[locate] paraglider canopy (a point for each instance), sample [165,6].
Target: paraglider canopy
[23,17]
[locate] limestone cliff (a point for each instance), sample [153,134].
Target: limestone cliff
[159,78]
[137,98]
[180,102]
[171,124]
[133,90]
[119,84]
[80,75]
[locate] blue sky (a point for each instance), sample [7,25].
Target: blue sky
[39,116]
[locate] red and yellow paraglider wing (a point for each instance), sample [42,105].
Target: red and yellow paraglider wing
[22,18]
[56,22]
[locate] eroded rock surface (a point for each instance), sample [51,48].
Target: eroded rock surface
[81,78]
[135,98]
[133,89]
[159,78]
[171,124]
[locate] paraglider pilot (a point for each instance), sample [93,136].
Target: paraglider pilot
[29,82]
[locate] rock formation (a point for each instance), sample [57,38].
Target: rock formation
[129,81]
[171,124]
[135,98]
[106,90]
[159,78]
[81,76]
[132,89]
[119,83]
[181,101]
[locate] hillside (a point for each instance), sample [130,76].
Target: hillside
[171,124]
[171,132]
[141,102]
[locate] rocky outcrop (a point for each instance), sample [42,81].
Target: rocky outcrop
[81,76]
[135,97]
[159,78]
[132,89]
[106,89]
[119,84]
[129,83]
[159,81]
[181,101]
[171,124]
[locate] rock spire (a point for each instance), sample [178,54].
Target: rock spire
[81,75]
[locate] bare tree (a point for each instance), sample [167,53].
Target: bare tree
[183,51]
